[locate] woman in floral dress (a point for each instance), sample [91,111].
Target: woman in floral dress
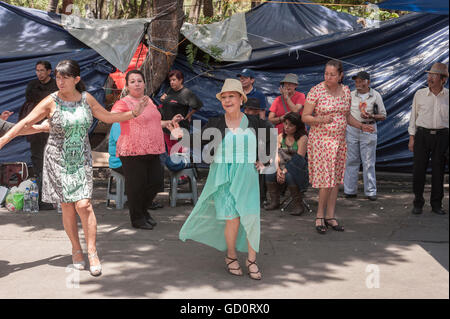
[327,112]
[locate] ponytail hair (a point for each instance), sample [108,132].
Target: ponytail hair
[81,87]
[72,69]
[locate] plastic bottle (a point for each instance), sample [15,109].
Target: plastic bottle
[34,194]
[27,201]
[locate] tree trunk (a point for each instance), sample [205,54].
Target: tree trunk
[52,5]
[255,3]
[100,9]
[164,33]
[67,7]
[142,8]
[208,9]
[194,12]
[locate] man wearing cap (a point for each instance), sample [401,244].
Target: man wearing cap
[368,108]
[290,100]
[247,78]
[428,137]
[253,106]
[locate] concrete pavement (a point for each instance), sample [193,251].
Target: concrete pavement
[385,252]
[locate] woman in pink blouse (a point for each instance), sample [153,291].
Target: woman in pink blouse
[140,143]
[327,112]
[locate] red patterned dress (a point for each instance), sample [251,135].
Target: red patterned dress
[327,148]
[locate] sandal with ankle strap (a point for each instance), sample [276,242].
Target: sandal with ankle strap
[253,272]
[321,229]
[80,265]
[94,270]
[336,227]
[230,269]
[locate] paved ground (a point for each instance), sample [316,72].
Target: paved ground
[385,252]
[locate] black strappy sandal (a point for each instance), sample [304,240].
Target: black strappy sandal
[335,227]
[253,272]
[322,228]
[230,269]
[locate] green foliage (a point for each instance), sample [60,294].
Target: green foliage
[193,53]
[122,10]
[216,52]
[360,10]
[35,4]
[367,13]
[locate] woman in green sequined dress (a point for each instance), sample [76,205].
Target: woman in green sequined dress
[67,174]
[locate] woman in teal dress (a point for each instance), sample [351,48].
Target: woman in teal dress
[67,174]
[227,214]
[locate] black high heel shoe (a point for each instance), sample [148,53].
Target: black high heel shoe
[322,228]
[336,227]
[229,269]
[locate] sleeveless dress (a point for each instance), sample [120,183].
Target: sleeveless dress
[231,190]
[67,172]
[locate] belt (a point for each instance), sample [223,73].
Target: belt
[432,131]
[368,122]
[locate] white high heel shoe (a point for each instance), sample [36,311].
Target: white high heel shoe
[80,265]
[94,270]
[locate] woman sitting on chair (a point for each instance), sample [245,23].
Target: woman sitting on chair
[292,141]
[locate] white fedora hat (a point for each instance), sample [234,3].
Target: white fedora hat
[232,85]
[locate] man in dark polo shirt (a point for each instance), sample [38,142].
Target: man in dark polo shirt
[178,100]
[247,78]
[36,91]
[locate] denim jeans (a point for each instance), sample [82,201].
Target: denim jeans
[361,147]
[272,178]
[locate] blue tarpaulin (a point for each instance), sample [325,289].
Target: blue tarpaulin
[430,6]
[28,36]
[396,54]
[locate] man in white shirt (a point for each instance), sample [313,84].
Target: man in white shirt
[368,108]
[428,137]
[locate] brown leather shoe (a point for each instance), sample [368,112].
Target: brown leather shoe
[297,201]
[273,190]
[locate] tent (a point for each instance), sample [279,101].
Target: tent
[29,36]
[285,37]
[136,62]
[396,53]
